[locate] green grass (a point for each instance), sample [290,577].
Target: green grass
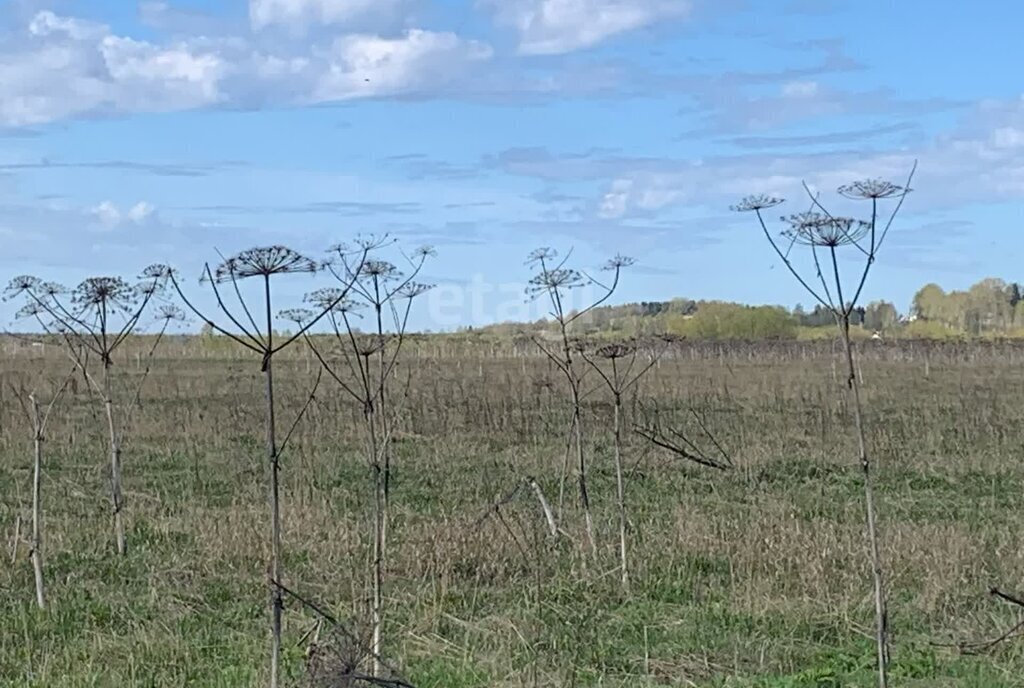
[752,578]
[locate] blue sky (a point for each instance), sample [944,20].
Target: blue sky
[138,132]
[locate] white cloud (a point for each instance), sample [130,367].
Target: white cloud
[639,195]
[62,67]
[615,201]
[140,212]
[800,89]
[551,27]
[47,23]
[363,65]
[109,215]
[297,15]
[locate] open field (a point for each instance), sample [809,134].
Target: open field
[752,577]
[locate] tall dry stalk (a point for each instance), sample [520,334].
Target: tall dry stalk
[619,374]
[825,234]
[38,418]
[95,319]
[554,280]
[262,264]
[365,372]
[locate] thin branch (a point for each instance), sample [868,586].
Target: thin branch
[302,412]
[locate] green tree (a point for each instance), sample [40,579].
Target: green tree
[928,302]
[880,316]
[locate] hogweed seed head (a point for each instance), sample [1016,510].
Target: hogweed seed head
[51,289]
[615,351]
[21,284]
[157,271]
[299,316]
[31,309]
[541,255]
[817,229]
[555,280]
[618,262]
[413,289]
[381,270]
[263,262]
[331,298]
[168,312]
[755,203]
[112,293]
[871,189]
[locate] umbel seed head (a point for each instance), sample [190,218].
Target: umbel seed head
[556,279]
[104,292]
[299,316]
[618,262]
[263,262]
[817,229]
[872,189]
[755,203]
[331,298]
[541,255]
[169,312]
[615,351]
[413,289]
[381,270]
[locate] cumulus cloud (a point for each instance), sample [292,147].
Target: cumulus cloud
[59,67]
[368,65]
[551,27]
[63,66]
[299,15]
[109,215]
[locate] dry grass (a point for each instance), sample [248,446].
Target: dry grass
[756,577]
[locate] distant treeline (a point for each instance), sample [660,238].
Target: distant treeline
[990,308]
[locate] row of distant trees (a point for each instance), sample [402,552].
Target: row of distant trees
[991,307]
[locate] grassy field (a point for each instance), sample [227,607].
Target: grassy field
[752,577]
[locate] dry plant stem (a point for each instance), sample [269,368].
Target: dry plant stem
[567,364]
[549,515]
[618,381]
[276,601]
[37,502]
[116,495]
[16,539]
[379,501]
[581,467]
[382,480]
[853,389]
[881,612]
[38,419]
[577,420]
[620,491]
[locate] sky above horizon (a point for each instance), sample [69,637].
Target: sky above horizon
[169,131]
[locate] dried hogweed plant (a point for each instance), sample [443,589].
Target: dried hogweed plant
[824,235]
[364,365]
[94,320]
[253,329]
[616,365]
[555,281]
[38,415]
